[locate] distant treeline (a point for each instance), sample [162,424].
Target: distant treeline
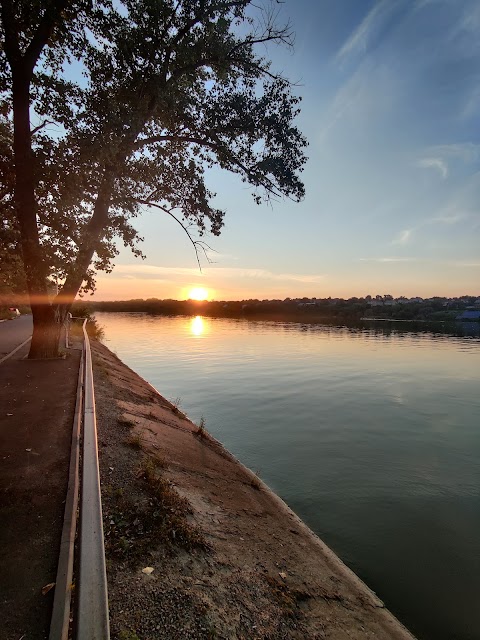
[316,310]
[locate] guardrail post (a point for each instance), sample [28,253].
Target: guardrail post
[68,320]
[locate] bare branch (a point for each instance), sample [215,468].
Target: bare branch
[40,126]
[197,244]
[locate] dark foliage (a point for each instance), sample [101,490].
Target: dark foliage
[133,101]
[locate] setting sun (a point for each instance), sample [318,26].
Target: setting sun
[199,293]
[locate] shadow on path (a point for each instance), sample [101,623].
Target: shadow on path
[37,401]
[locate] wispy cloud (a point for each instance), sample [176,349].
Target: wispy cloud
[403,237]
[393,259]
[434,163]
[150,271]
[469,20]
[449,217]
[466,151]
[217,256]
[439,157]
[347,95]
[139,270]
[466,263]
[359,39]
[421,4]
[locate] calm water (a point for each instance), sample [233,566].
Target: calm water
[373,439]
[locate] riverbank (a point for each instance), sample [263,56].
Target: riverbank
[197,546]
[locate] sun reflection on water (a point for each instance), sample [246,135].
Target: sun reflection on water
[197,326]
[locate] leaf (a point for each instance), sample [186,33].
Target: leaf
[47,588]
[148,570]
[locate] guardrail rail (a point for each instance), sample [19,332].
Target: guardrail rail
[92,621]
[90,614]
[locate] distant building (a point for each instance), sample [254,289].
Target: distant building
[469,316]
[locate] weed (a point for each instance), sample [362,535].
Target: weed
[176,406]
[127,634]
[161,462]
[135,441]
[172,509]
[212,633]
[148,468]
[288,598]
[94,330]
[201,428]
[125,422]
[255,482]
[133,528]
[162,489]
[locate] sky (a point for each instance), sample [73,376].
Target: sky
[391,110]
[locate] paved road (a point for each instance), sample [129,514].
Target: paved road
[13,333]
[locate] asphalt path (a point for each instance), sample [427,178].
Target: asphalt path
[13,333]
[37,401]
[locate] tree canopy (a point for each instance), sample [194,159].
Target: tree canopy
[116,106]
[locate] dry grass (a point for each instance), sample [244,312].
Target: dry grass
[127,634]
[134,440]
[161,518]
[176,406]
[201,431]
[287,598]
[255,482]
[125,422]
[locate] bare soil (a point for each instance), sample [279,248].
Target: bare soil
[230,560]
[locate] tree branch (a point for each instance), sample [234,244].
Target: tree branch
[265,182]
[138,144]
[40,126]
[12,48]
[197,244]
[47,24]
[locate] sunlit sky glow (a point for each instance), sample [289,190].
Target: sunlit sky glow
[391,109]
[198,293]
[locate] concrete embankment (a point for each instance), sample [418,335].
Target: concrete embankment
[198,547]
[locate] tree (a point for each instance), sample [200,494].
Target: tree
[12,276]
[134,100]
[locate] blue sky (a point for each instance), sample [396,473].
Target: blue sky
[391,110]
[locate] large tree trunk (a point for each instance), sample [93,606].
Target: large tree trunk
[45,339]
[22,60]
[46,332]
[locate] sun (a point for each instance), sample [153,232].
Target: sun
[198,293]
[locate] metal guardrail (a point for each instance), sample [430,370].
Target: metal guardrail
[92,621]
[90,612]
[62,603]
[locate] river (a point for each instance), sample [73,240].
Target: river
[371,436]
